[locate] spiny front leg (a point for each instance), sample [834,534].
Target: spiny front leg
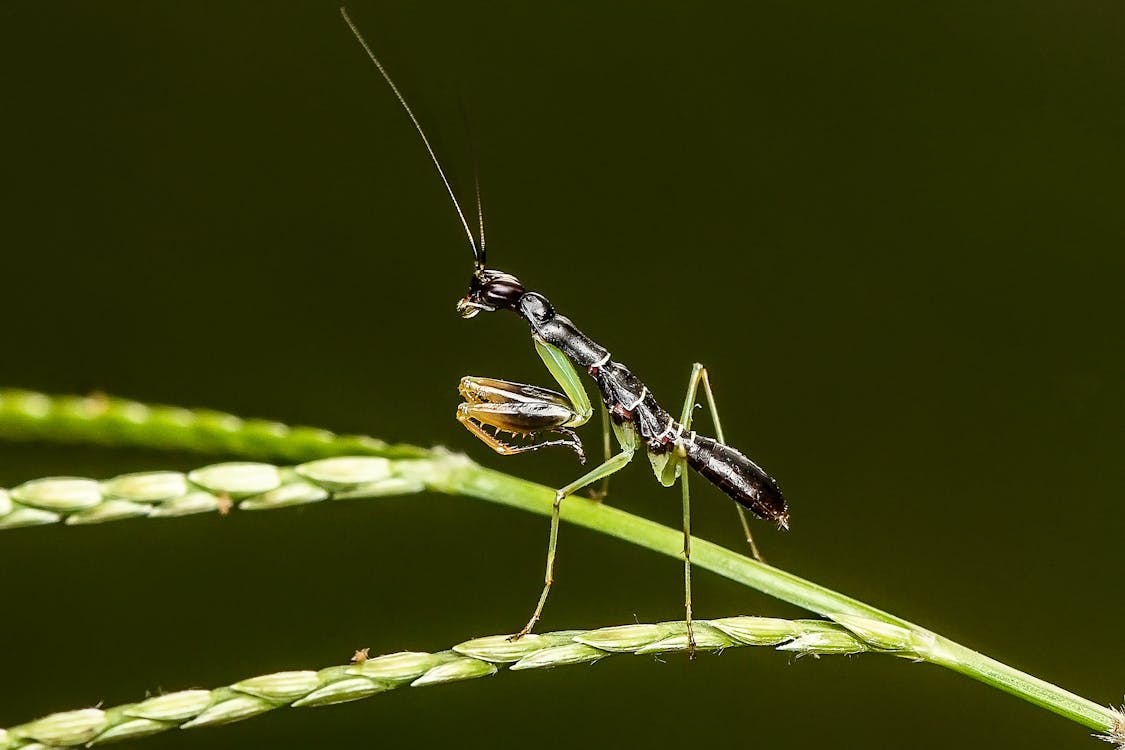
[518,409]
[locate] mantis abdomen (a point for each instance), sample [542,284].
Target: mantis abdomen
[736,475]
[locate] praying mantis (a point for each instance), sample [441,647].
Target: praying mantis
[549,418]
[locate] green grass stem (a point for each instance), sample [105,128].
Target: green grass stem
[104,420]
[388,469]
[366,677]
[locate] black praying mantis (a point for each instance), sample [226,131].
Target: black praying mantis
[632,412]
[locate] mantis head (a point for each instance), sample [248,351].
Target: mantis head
[490,290]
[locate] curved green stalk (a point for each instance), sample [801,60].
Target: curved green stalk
[244,485]
[103,420]
[255,486]
[501,488]
[365,677]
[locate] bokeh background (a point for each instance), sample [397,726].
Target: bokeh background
[893,233]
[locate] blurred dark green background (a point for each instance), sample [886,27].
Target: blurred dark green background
[894,234]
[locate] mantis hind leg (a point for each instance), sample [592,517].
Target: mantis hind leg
[687,558]
[699,375]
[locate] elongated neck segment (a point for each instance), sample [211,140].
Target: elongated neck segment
[560,331]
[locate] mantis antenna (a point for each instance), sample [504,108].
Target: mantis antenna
[476,172]
[478,251]
[480,213]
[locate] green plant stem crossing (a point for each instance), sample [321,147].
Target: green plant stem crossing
[497,487]
[366,677]
[404,468]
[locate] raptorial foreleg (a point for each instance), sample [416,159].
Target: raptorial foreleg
[518,409]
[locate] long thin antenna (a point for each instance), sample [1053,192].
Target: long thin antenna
[478,252]
[476,168]
[480,211]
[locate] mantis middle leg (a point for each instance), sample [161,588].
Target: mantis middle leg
[628,441]
[530,410]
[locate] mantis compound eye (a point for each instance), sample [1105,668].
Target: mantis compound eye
[502,292]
